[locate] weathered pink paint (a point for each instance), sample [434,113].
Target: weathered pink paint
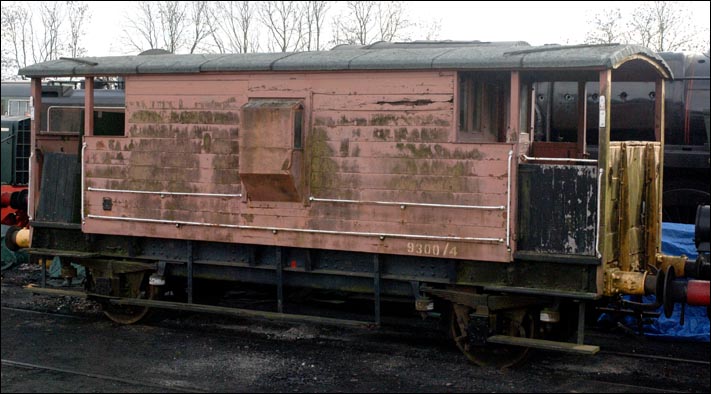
[375,137]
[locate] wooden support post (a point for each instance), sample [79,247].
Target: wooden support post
[659,121]
[89,106]
[514,110]
[603,164]
[35,176]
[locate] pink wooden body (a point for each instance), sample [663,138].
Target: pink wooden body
[374,138]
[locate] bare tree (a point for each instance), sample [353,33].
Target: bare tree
[171,25]
[142,31]
[607,28]
[285,21]
[665,25]
[659,25]
[367,21]
[16,39]
[430,29]
[78,12]
[355,27]
[49,46]
[173,22]
[54,30]
[391,20]
[641,28]
[198,16]
[315,16]
[233,26]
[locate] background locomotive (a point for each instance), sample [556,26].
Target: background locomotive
[406,170]
[687,179]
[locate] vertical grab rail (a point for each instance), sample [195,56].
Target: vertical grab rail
[597,229]
[30,205]
[508,204]
[83,147]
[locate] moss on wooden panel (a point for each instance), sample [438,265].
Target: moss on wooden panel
[381,134]
[437,151]
[433,134]
[204,117]
[345,143]
[206,143]
[323,167]
[146,116]
[383,120]
[428,167]
[401,134]
[218,105]
[453,184]
[324,121]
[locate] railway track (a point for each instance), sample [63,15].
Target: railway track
[34,311]
[413,349]
[656,357]
[387,333]
[132,382]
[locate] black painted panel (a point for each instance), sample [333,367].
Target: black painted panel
[59,196]
[557,209]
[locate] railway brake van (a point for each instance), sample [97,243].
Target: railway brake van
[396,169]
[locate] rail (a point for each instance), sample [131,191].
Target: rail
[560,159]
[275,230]
[508,204]
[407,204]
[97,189]
[30,204]
[83,148]
[597,228]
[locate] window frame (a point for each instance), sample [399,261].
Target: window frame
[481,109]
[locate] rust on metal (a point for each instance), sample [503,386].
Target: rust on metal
[625,282]
[662,262]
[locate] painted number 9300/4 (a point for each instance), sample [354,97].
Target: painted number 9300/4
[431,249]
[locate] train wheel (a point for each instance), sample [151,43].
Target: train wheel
[135,285]
[514,323]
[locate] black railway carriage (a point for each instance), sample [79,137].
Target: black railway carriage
[686,126]
[391,169]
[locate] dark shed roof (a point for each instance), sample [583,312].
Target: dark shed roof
[418,55]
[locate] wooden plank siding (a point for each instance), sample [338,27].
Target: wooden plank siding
[384,137]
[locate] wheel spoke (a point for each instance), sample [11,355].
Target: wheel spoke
[130,314]
[492,355]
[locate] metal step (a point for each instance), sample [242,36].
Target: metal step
[544,344]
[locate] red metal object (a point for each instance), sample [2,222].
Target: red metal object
[697,292]
[10,216]
[5,199]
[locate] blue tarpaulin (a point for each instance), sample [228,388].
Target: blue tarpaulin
[677,239]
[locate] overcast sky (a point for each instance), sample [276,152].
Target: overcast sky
[537,22]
